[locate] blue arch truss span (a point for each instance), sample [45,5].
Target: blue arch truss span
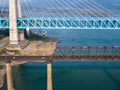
[64,23]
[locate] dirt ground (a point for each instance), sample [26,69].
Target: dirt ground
[39,48]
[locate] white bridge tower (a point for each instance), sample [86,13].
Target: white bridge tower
[14,13]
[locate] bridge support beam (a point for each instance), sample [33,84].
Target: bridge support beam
[9,76]
[49,76]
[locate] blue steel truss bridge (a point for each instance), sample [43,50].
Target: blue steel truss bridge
[64,23]
[43,14]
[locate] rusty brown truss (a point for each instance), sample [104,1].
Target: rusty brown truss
[72,53]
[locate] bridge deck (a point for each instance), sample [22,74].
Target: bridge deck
[61,58]
[65,23]
[72,53]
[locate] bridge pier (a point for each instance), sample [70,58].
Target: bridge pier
[49,76]
[9,76]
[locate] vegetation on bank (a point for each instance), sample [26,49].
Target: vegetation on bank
[9,52]
[2,63]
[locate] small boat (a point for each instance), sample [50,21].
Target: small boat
[42,32]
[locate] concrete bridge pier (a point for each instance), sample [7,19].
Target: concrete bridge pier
[49,76]
[9,76]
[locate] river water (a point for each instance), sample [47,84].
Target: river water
[82,75]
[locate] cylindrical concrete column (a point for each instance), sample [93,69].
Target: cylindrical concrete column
[9,76]
[49,76]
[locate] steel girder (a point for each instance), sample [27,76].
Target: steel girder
[65,23]
[4,23]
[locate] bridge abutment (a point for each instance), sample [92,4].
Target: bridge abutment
[9,76]
[49,76]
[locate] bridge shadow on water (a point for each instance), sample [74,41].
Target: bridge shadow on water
[112,78]
[86,65]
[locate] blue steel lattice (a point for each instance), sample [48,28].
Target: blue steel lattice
[65,23]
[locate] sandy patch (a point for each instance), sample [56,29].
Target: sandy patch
[39,48]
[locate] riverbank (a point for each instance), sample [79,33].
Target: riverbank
[2,77]
[46,46]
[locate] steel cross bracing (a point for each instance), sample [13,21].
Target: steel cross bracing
[65,23]
[72,53]
[88,53]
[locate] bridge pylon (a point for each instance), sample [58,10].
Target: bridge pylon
[14,38]
[19,13]
[14,13]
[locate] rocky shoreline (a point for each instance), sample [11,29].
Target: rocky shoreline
[39,45]
[2,77]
